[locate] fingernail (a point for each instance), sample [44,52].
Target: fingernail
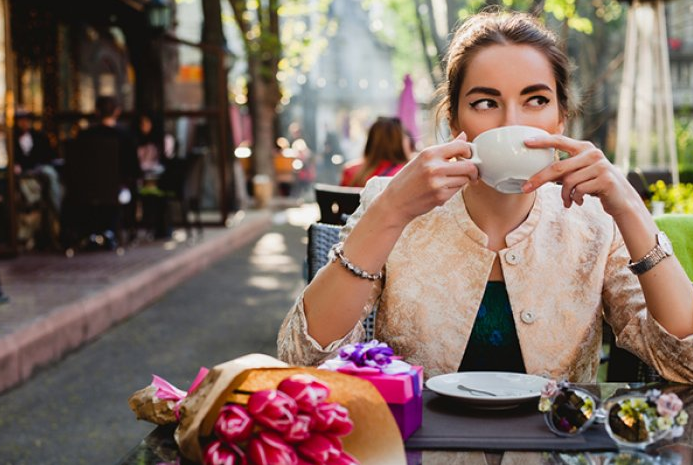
[531,139]
[527,187]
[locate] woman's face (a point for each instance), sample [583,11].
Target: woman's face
[508,85]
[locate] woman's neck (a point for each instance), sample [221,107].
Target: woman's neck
[494,213]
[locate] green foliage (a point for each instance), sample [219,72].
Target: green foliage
[676,198]
[293,46]
[684,142]
[394,23]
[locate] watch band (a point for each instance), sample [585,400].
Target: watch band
[658,253]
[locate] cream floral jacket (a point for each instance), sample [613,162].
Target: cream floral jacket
[564,270]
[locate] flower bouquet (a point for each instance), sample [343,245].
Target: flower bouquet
[258,410]
[398,382]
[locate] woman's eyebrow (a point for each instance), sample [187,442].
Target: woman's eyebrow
[535,88]
[483,90]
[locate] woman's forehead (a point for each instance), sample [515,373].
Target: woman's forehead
[508,68]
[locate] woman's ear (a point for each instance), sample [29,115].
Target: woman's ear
[454,130]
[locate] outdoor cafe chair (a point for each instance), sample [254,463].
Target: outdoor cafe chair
[336,203]
[92,184]
[321,237]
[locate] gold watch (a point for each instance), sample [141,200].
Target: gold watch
[662,250]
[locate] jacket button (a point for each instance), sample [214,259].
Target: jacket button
[512,257]
[528,317]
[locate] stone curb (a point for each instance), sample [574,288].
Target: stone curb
[71,325]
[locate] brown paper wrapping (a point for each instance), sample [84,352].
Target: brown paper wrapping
[148,407]
[375,439]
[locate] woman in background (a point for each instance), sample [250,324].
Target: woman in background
[384,154]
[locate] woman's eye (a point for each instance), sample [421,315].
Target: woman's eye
[538,101]
[483,104]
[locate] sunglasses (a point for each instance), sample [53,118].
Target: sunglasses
[632,421]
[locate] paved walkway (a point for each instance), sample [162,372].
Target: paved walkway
[59,303]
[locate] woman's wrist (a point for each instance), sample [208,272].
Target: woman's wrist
[389,214]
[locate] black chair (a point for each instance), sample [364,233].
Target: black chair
[626,367]
[91,176]
[321,237]
[336,202]
[182,180]
[641,180]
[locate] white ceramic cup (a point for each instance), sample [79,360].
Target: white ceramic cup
[504,161]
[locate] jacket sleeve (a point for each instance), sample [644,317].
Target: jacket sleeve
[634,327]
[294,344]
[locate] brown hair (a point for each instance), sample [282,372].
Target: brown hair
[384,143]
[499,28]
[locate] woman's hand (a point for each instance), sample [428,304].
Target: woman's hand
[430,179]
[585,172]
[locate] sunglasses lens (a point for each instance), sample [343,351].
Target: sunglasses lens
[571,411]
[627,421]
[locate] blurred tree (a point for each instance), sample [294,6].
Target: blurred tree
[280,37]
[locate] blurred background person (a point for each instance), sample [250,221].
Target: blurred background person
[152,156]
[384,155]
[410,149]
[34,156]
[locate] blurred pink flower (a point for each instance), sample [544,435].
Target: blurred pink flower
[299,430]
[320,449]
[217,453]
[550,389]
[306,390]
[268,448]
[333,418]
[669,405]
[233,424]
[273,409]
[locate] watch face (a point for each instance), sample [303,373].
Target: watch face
[664,243]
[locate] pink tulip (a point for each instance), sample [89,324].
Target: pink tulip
[332,418]
[273,409]
[306,390]
[268,448]
[320,449]
[217,453]
[233,424]
[299,430]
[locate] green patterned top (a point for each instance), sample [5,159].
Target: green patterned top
[493,344]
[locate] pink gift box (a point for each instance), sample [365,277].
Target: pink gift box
[403,394]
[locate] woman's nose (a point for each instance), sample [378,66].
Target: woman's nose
[511,116]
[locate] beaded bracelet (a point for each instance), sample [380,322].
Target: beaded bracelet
[337,252]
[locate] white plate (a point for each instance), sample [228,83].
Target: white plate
[509,389]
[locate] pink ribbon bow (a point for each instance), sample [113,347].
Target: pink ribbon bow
[167,391]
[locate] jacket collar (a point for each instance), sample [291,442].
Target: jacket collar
[456,207]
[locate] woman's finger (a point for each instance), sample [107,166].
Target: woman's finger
[456,148]
[460,168]
[578,178]
[559,169]
[560,142]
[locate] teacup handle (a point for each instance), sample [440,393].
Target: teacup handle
[475,156]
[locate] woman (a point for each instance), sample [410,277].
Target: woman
[458,255]
[384,154]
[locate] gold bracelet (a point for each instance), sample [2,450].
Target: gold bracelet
[337,253]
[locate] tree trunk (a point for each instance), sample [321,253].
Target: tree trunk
[265,99]
[432,68]
[216,97]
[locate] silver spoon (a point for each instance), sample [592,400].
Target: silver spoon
[472,390]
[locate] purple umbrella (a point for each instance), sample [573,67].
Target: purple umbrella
[407,108]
